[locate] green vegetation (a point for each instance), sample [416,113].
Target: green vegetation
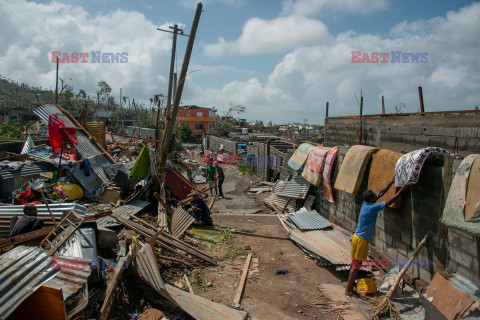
[185,133]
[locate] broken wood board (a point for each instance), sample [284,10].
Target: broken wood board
[241,284]
[123,263]
[342,304]
[166,241]
[201,308]
[46,303]
[448,299]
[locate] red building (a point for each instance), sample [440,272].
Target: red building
[201,120]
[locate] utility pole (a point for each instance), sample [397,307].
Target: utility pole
[383,106]
[175,31]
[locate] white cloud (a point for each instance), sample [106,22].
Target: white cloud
[191,4]
[309,76]
[261,36]
[31,31]
[312,7]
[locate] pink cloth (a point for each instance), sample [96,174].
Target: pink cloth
[312,172]
[327,173]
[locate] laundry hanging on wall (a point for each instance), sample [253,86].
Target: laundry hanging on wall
[409,166]
[454,213]
[382,171]
[353,168]
[312,172]
[299,157]
[327,174]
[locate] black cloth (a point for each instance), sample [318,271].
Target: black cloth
[220,172]
[24,224]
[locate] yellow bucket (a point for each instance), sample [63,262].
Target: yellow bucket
[366,285]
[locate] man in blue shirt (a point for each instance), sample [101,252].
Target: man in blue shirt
[199,209]
[365,227]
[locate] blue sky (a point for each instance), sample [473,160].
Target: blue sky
[282,60]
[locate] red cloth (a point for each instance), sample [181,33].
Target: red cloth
[58,132]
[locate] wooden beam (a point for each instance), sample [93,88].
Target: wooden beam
[104,313]
[187,281]
[241,284]
[286,205]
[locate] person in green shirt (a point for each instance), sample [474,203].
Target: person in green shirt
[210,175]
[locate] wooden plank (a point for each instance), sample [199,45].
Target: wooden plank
[187,281]
[6,244]
[46,303]
[286,205]
[104,313]
[241,284]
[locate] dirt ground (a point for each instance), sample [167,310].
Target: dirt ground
[244,225]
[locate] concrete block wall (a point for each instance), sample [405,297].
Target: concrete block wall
[398,231]
[214,144]
[463,254]
[408,133]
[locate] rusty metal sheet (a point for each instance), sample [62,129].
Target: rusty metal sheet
[147,268]
[181,221]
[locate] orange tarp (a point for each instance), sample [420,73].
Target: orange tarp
[382,171]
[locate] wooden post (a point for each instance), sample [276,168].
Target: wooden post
[326,110]
[383,105]
[360,129]
[56,85]
[171,121]
[420,96]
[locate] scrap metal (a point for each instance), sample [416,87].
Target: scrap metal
[181,220]
[296,188]
[131,208]
[22,271]
[308,220]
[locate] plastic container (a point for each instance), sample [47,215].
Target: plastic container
[366,285]
[73,191]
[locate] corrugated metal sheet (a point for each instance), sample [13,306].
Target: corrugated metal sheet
[278,203]
[58,210]
[133,207]
[465,285]
[22,271]
[309,220]
[331,245]
[13,180]
[85,147]
[73,274]
[147,268]
[181,220]
[28,145]
[296,188]
[89,183]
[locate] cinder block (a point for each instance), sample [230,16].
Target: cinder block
[402,129]
[447,131]
[408,138]
[414,129]
[467,132]
[452,266]
[464,259]
[421,140]
[438,141]
[405,237]
[389,240]
[430,130]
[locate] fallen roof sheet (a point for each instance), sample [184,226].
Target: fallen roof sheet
[133,207]
[73,274]
[22,271]
[309,220]
[181,220]
[147,268]
[332,245]
[297,188]
[278,203]
[85,147]
[58,210]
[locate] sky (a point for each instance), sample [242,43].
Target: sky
[281,60]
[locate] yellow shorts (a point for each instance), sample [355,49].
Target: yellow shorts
[359,248]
